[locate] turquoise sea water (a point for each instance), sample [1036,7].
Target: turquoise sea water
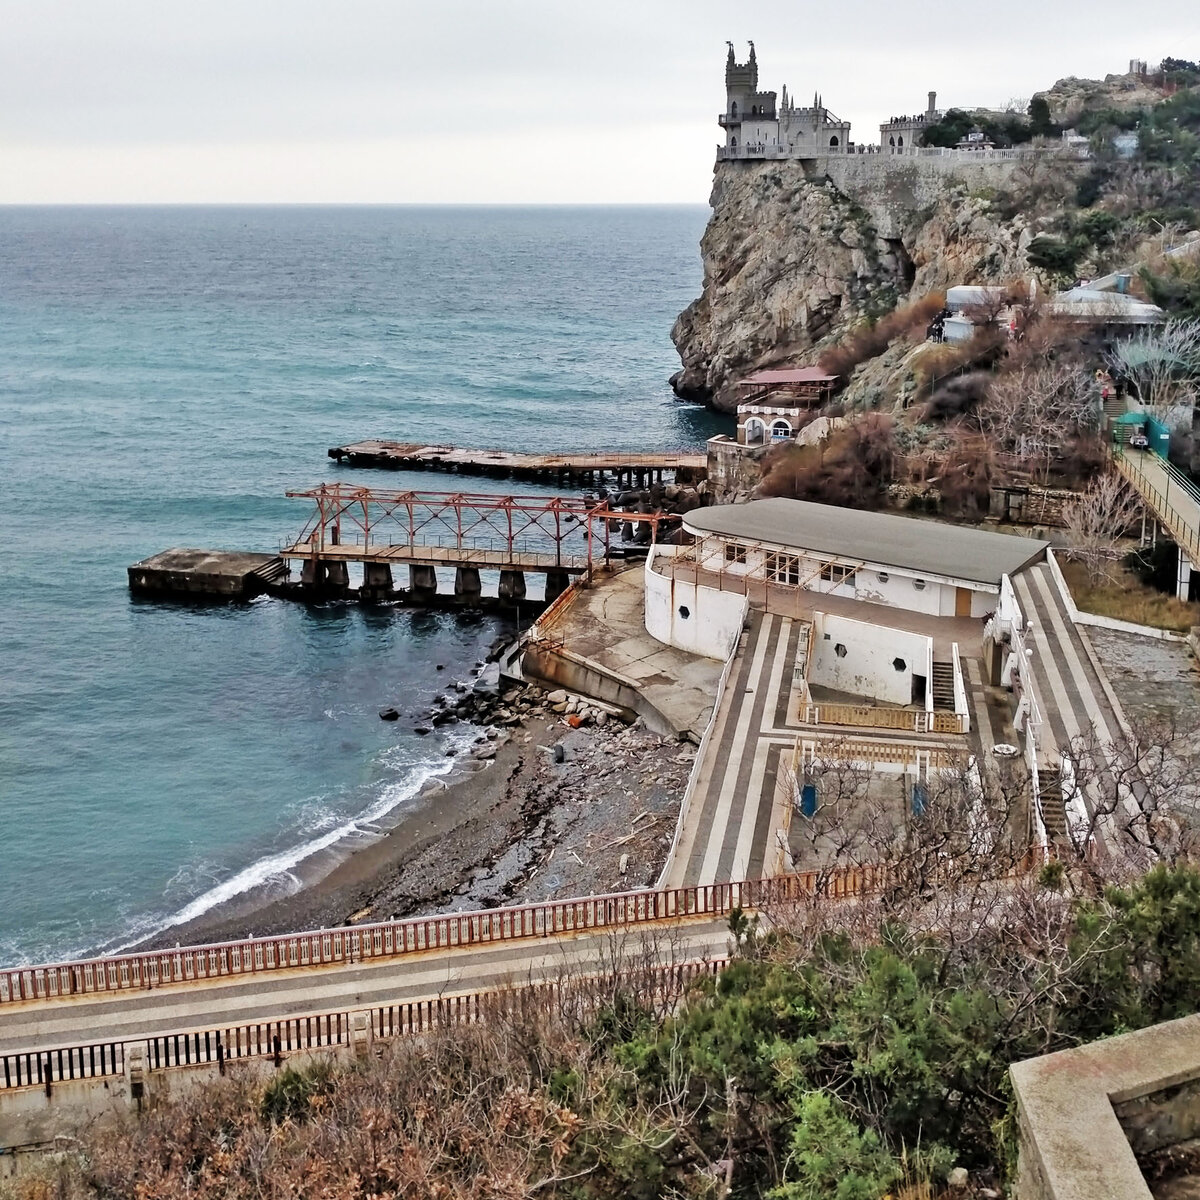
[165,376]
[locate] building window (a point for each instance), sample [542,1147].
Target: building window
[840,650]
[837,573]
[684,611]
[833,141]
[783,568]
[883,577]
[780,429]
[899,664]
[735,552]
[919,584]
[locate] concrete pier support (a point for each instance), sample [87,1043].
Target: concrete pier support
[308,572]
[556,583]
[466,583]
[422,581]
[512,585]
[377,581]
[337,574]
[1183,578]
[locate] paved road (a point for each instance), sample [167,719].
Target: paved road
[223,1003]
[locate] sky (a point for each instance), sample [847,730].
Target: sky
[489,101]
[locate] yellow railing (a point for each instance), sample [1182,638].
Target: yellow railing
[866,716]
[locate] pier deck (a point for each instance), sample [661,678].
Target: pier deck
[466,555]
[577,467]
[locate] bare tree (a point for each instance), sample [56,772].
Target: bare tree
[1031,412]
[1163,365]
[1096,519]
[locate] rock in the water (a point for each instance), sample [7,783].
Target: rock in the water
[389,714]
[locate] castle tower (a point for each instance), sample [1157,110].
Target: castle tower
[741,77]
[756,129]
[741,87]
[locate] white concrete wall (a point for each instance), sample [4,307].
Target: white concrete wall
[933,595]
[700,620]
[867,668]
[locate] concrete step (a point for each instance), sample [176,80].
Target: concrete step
[1054,811]
[942,685]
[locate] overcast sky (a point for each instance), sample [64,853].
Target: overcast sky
[489,101]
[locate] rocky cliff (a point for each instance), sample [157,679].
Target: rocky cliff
[793,259]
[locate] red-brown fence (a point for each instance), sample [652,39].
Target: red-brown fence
[663,984]
[393,939]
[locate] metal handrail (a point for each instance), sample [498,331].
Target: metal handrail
[145,970]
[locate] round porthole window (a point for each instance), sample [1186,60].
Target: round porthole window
[899,664]
[684,611]
[919,584]
[840,650]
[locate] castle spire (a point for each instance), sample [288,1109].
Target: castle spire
[753,60]
[730,59]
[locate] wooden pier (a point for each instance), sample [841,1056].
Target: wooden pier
[594,468]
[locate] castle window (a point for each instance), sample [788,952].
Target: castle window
[733,142]
[900,142]
[892,142]
[733,109]
[833,140]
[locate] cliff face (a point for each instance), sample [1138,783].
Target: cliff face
[793,262]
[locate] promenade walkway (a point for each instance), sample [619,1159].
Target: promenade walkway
[1078,709]
[729,830]
[1173,498]
[241,1000]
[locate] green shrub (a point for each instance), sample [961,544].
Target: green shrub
[1056,255]
[290,1094]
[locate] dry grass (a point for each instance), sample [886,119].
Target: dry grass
[1126,598]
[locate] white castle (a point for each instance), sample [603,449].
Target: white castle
[754,128]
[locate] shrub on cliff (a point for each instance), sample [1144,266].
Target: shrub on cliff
[851,467]
[1057,256]
[872,338]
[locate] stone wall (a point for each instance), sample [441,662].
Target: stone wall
[734,471]
[892,188]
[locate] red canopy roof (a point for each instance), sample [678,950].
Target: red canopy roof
[789,375]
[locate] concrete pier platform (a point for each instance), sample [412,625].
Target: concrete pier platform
[217,574]
[592,468]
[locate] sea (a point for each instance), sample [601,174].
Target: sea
[166,376]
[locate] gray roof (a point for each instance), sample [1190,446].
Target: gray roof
[927,547]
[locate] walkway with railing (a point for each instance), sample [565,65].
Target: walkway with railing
[1171,495]
[71,1020]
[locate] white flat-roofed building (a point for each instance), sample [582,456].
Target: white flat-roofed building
[881,558]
